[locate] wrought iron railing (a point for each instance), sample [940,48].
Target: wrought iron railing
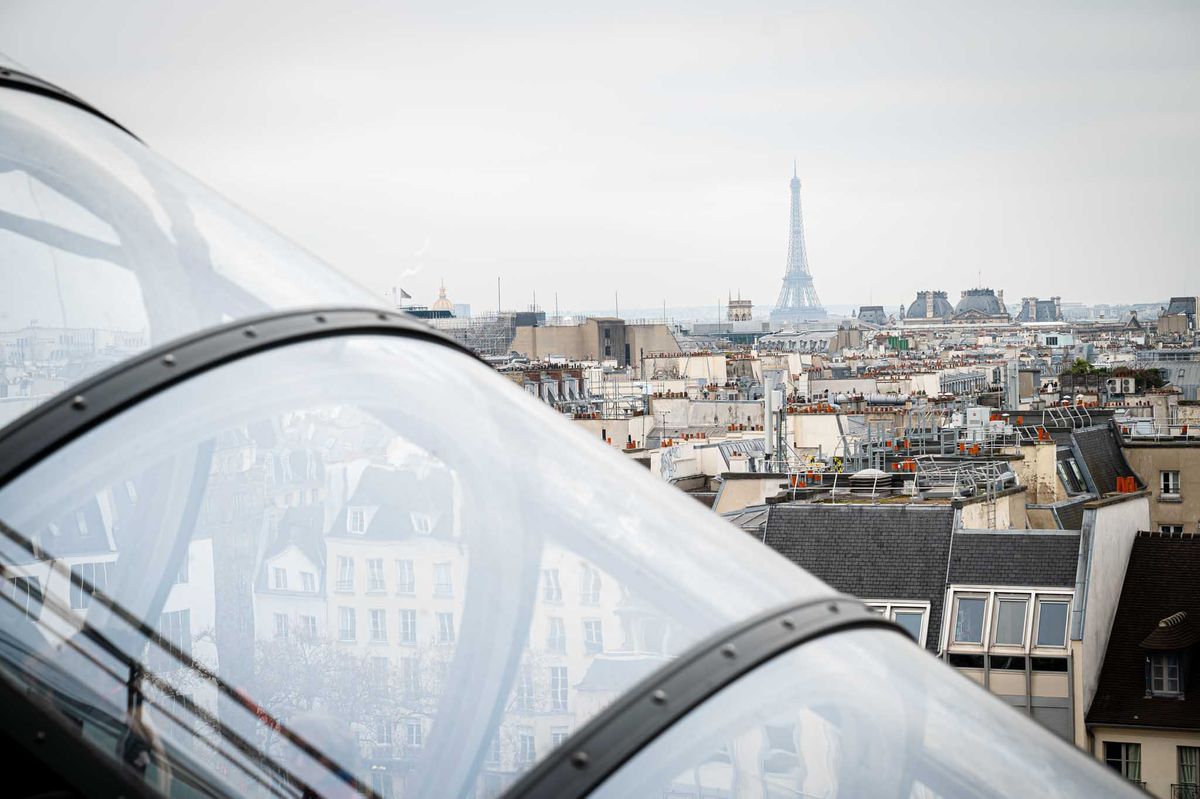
[1185,790]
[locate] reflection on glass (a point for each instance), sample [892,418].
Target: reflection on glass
[106,249]
[1010,622]
[910,620]
[806,724]
[430,591]
[968,620]
[1052,623]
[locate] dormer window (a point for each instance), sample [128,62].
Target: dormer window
[356,521]
[421,523]
[1164,674]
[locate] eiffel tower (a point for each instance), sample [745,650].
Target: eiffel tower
[798,298]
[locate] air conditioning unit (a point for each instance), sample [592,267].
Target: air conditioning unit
[1129,384]
[1113,384]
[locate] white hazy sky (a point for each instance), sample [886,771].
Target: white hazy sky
[647,147]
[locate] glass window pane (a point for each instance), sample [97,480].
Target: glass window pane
[428,472]
[804,725]
[910,620]
[1052,623]
[1010,622]
[968,620]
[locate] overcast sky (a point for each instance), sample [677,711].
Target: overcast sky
[1050,148]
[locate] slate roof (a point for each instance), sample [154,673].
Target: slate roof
[1102,457]
[1070,514]
[869,551]
[1160,581]
[1043,559]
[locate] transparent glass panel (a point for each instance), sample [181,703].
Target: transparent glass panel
[910,620]
[1010,622]
[895,724]
[107,249]
[486,578]
[1052,623]
[968,620]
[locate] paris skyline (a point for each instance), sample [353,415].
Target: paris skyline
[1039,151]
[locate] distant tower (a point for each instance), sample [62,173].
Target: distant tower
[798,298]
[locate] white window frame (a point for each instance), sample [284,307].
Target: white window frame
[445,627]
[281,626]
[1170,529]
[308,582]
[593,645]
[888,608]
[344,613]
[1168,479]
[376,581]
[356,520]
[414,733]
[308,626]
[1034,597]
[1165,658]
[279,578]
[556,634]
[345,573]
[406,577]
[1027,626]
[443,587]
[551,586]
[408,626]
[377,625]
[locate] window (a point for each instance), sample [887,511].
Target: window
[181,576]
[379,673]
[1189,771]
[493,751]
[308,581]
[408,626]
[558,735]
[86,580]
[589,586]
[378,620]
[442,586]
[526,750]
[551,588]
[1010,622]
[281,625]
[279,579]
[414,734]
[445,628]
[1051,623]
[556,635]
[356,521]
[593,636]
[26,593]
[911,616]
[1125,758]
[558,687]
[1164,674]
[422,524]
[523,693]
[308,627]
[347,627]
[1168,484]
[912,622]
[968,620]
[81,524]
[375,574]
[176,628]
[1170,528]
[345,580]
[406,577]
[410,676]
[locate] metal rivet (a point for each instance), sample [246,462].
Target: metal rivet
[250,332]
[168,360]
[729,651]
[787,623]
[833,608]
[40,736]
[382,316]
[580,759]
[659,697]
[79,403]
[320,317]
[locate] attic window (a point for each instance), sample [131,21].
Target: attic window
[421,523]
[356,521]
[1164,674]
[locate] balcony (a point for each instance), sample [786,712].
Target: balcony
[1187,790]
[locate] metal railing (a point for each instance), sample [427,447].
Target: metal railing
[1185,790]
[1146,430]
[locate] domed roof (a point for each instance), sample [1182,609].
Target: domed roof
[442,304]
[984,301]
[930,305]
